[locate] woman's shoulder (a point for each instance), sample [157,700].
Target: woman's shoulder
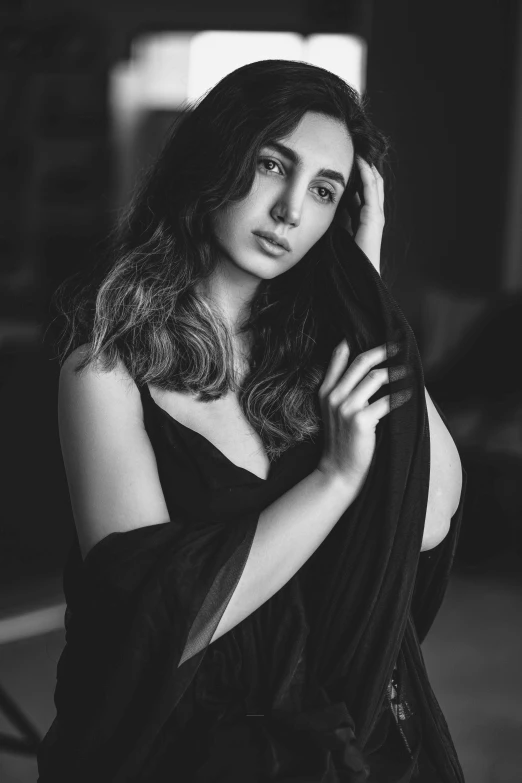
[109,459]
[96,385]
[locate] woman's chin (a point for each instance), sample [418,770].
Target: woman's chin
[260,267]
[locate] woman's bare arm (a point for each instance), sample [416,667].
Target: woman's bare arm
[109,461]
[288,532]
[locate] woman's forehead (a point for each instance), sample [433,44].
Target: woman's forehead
[318,139]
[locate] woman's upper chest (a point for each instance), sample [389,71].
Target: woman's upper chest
[222,423]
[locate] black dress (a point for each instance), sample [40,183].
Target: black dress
[324,682]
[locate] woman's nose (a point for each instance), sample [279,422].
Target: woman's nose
[288,208]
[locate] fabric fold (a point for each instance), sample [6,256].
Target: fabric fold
[141,611]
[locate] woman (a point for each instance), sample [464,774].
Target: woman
[247,595]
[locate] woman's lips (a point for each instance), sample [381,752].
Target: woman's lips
[270,247]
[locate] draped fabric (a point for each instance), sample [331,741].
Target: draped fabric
[325,681]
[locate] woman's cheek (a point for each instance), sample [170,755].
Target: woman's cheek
[322,230]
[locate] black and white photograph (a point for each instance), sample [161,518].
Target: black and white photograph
[260,394]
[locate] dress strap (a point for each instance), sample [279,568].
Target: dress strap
[144,390]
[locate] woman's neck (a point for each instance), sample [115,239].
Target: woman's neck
[231,291]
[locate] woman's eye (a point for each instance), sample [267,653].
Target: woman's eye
[270,165]
[324,194]
[327,195]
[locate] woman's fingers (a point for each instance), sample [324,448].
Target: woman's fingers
[380,186]
[372,383]
[360,367]
[336,367]
[382,406]
[368,171]
[340,381]
[373,187]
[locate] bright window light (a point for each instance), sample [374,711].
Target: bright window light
[213,54]
[163,61]
[344,55]
[167,69]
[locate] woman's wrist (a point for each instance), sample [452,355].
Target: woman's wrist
[339,483]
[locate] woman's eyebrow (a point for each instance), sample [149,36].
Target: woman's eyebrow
[297,160]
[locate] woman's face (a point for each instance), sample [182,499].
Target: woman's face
[298,184]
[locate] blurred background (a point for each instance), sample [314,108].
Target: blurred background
[87,93]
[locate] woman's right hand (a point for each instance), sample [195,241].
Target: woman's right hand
[348,418]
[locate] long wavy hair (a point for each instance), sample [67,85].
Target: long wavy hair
[139,303]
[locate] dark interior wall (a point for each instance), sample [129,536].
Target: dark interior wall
[440,79]
[121,16]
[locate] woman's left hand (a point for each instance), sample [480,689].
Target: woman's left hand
[371,214]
